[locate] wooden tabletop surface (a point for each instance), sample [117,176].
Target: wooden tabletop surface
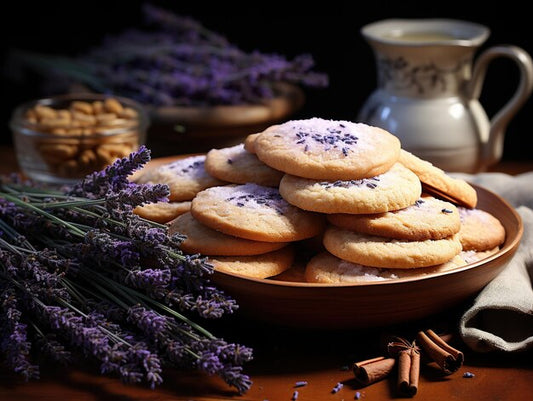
[284,356]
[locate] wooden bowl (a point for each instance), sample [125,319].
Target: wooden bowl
[373,304]
[332,306]
[179,130]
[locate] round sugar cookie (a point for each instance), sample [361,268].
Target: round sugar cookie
[329,269]
[473,256]
[255,266]
[162,212]
[323,149]
[185,177]
[295,274]
[438,182]
[254,212]
[480,230]
[395,189]
[370,250]
[427,218]
[206,241]
[236,165]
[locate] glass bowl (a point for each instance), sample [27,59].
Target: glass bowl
[63,138]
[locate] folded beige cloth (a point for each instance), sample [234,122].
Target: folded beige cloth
[501,316]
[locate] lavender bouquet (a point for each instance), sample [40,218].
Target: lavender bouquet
[81,275]
[176,61]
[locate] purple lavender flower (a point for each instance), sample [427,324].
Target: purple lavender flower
[150,322]
[52,348]
[137,195]
[153,281]
[104,248]
[13,337]
[177,61]
[142,364]
[113,178]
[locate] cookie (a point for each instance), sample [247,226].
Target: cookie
[480,230]
[236,165]
[375,251]
[162,212]
[427,218]
[395,189]
[184,177]
[295,274]
[329,269]
[249,142]
[323,149]
[254,212]
[474,256]
[438,182]
[256,266]
[206,241]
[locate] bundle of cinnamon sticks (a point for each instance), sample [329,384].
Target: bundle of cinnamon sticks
[406,356]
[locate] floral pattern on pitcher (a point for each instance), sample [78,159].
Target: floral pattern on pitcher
[398,73]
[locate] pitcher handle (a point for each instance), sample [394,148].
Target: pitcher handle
[493,144]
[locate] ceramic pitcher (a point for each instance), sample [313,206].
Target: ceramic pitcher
[429,83]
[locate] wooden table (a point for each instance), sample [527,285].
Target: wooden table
[284,356]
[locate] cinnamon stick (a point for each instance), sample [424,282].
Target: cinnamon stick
[408,355]
[448,358]
[372,370]
[408,371]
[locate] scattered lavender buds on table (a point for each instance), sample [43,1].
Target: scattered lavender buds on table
[468,375]
[337,388]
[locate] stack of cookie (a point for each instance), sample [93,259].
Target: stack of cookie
[373,210]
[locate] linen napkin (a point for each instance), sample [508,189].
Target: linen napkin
[501,316]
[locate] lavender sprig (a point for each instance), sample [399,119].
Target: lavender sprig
[13,337]
[176,61]
[90,277]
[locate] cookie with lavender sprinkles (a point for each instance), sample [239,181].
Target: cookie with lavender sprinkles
[254,212]
[329,269]
[185,177]
[395,189]
[371,250]
[437,182]
[256,266]
[206,241]
[480,230]
[427,218]
[236,165]
[324,149]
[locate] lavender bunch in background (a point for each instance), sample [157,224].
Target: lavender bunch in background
[176,61]
[81,274]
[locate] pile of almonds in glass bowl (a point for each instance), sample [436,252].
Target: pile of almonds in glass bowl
[63,138]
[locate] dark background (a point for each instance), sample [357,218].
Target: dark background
[329,31]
